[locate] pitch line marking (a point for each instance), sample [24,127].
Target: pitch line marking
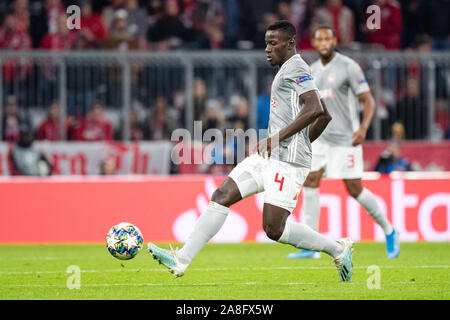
[206,284]
[223,269]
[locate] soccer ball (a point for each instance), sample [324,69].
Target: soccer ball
[124,241]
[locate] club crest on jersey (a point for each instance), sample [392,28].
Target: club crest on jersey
[303,79]
[273,104]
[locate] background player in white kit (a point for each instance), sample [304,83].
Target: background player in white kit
[279,166]
[337,153]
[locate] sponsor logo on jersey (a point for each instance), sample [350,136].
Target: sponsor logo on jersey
[303,79]
[362,81]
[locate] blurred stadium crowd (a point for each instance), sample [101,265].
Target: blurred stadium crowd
[161,25]
[218,24]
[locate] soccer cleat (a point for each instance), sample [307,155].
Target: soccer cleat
[304,254]
[343,261]
[168,258]
[393,244]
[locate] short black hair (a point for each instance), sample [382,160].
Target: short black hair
[324,27]
[285,26]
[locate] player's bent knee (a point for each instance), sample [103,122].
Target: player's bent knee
[273,232]
[223,197]
[354,190]
[312,181]
[354,193]
[219,197]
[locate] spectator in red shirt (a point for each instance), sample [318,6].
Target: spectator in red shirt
[49,128]
[91,23]
[53,10]
[12,39]
[340,17]
[389,34]
[22,15]
[62,39]
[95,127]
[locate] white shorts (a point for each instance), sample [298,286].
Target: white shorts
[281,181]
[339,162]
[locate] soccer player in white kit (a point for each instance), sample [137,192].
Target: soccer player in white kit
[337,153]
[279,165]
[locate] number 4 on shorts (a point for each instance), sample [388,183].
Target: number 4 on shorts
[279,181]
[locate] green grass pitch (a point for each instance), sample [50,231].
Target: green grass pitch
[247,271]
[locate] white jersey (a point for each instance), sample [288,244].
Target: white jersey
[340,82]
[292,80]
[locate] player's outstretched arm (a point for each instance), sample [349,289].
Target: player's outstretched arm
[317,127]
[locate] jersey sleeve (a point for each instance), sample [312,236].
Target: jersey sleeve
[357,80]
[300,79]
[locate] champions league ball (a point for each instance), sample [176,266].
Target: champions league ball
[124,241]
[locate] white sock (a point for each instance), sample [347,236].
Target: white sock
[368,201]
[311,207]
[206,227]
[303,237]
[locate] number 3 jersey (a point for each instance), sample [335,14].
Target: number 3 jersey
[340,82]
[292,80]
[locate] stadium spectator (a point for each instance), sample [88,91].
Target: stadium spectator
[13,39]
[137,19]
[81,42]
[73,127]
[108,166]
[340,17]
[121,36]
[11,120]
[397,132]
[301,16]
[200,98]
[61,39]
[53,10]
[231,25]
[92,26]
[410,104]
[424,43]
[268,19]
[251,13]
[24,159]
[155,11]
[391,160]
[240,117]
[109,11]
[284,11]
[213,117]
[135,125]
[22,16]
[169,31]
[94,127]
[49,128]
[389,33]
[208,21]
[160,123]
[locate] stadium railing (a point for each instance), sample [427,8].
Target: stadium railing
[409,87]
